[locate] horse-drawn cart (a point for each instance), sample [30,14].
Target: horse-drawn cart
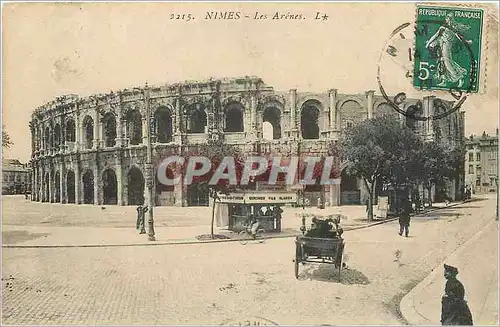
[323,243]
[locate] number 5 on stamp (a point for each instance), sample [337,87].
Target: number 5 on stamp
[447,48]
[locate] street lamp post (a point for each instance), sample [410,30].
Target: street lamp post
[303,184]
[149,168]
[498,172]
[496,216]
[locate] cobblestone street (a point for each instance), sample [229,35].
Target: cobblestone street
[230,283]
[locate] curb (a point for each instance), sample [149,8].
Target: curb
[185,242]
[407,305]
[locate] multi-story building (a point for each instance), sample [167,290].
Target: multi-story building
[93,150]
[16,177]
[481,163]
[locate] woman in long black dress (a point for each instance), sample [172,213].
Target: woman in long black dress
[455,310]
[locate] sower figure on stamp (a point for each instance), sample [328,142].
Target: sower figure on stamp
[454,310]
[404,218]
[141,217]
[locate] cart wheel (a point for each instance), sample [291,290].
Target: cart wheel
[339,260]
[261,237]
[298,258]
[340,268]
[243,237]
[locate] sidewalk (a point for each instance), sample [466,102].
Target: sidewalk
[477,263]
[28,236]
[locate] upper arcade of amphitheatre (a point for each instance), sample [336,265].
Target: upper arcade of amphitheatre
[224,85]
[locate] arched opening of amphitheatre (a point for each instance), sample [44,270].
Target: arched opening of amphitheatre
[234,118]
[134,127]
[88,132]
[47,139]
[109,187]
[38,139]
[109,130]
[163,125]
[197,119]
[267,131]
[384,109]
[57,135]
[351,113]
[272,116]
[88,187]
[412,112]
[70,186]
[309,119]
[349,190]
[197,194]
[135,187]
[70,131]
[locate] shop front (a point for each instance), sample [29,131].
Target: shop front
[265,207]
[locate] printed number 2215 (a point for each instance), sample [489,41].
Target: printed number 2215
[186,17]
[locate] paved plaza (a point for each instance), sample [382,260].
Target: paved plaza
[228,283]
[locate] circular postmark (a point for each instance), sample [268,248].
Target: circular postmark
[400,52]
[249,321]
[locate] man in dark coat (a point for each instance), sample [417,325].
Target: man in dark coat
[404,218]
[455,310]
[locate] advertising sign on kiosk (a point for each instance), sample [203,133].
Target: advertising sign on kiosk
[265,207]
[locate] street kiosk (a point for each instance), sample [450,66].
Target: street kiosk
[265,207]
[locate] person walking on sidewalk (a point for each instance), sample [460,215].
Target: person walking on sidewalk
[141,219]
[454,309]
[404,218]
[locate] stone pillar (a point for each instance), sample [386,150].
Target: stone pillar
[119,127]
[254,124]
[334,195]
[177,121]
[369,103]
[51,185]
[333,109]
[33,187]
[179,195]
[40,183]
[62,190]
[97,180]
[428,109]
[324,131]
[33,184]
[293,110]
[97,130]
[78,184]
[78,132]
[119,180]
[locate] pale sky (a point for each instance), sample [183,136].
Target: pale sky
[55,49]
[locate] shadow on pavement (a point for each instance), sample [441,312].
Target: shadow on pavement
[477,199]
[452,214]
[18,236]
[328,273]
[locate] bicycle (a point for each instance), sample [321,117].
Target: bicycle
[246,235]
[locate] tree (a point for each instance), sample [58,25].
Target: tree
[216,151]
[440,163]
[6,141]
[377,148]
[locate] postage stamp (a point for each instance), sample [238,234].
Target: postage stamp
[448,44]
